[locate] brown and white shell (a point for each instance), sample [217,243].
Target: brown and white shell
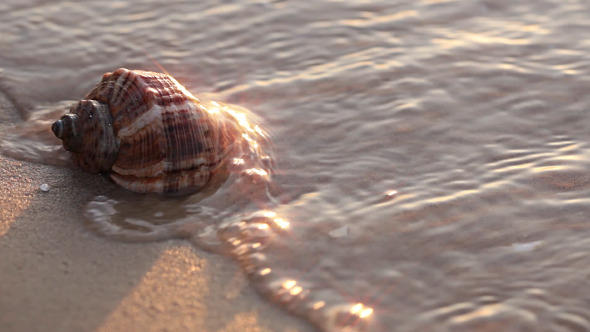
[148,132]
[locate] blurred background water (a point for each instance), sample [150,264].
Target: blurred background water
[432,155]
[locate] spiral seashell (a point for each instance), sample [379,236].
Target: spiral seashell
[148,132]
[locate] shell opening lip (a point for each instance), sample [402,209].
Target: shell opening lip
[57,128]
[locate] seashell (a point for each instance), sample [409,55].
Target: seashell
[148,133]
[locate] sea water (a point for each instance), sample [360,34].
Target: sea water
[433,157]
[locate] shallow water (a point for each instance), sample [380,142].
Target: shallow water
[433,156]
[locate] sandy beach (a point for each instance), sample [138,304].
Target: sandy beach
[57,275]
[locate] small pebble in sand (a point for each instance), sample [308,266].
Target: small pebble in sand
[391,194]
[44,187]
[339,232]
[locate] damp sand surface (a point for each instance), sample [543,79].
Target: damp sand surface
[433,166]
[58,276]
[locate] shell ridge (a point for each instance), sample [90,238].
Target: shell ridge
[141,122]
[125,88]
[151,158]
[118,79]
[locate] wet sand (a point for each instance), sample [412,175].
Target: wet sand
[59,276]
